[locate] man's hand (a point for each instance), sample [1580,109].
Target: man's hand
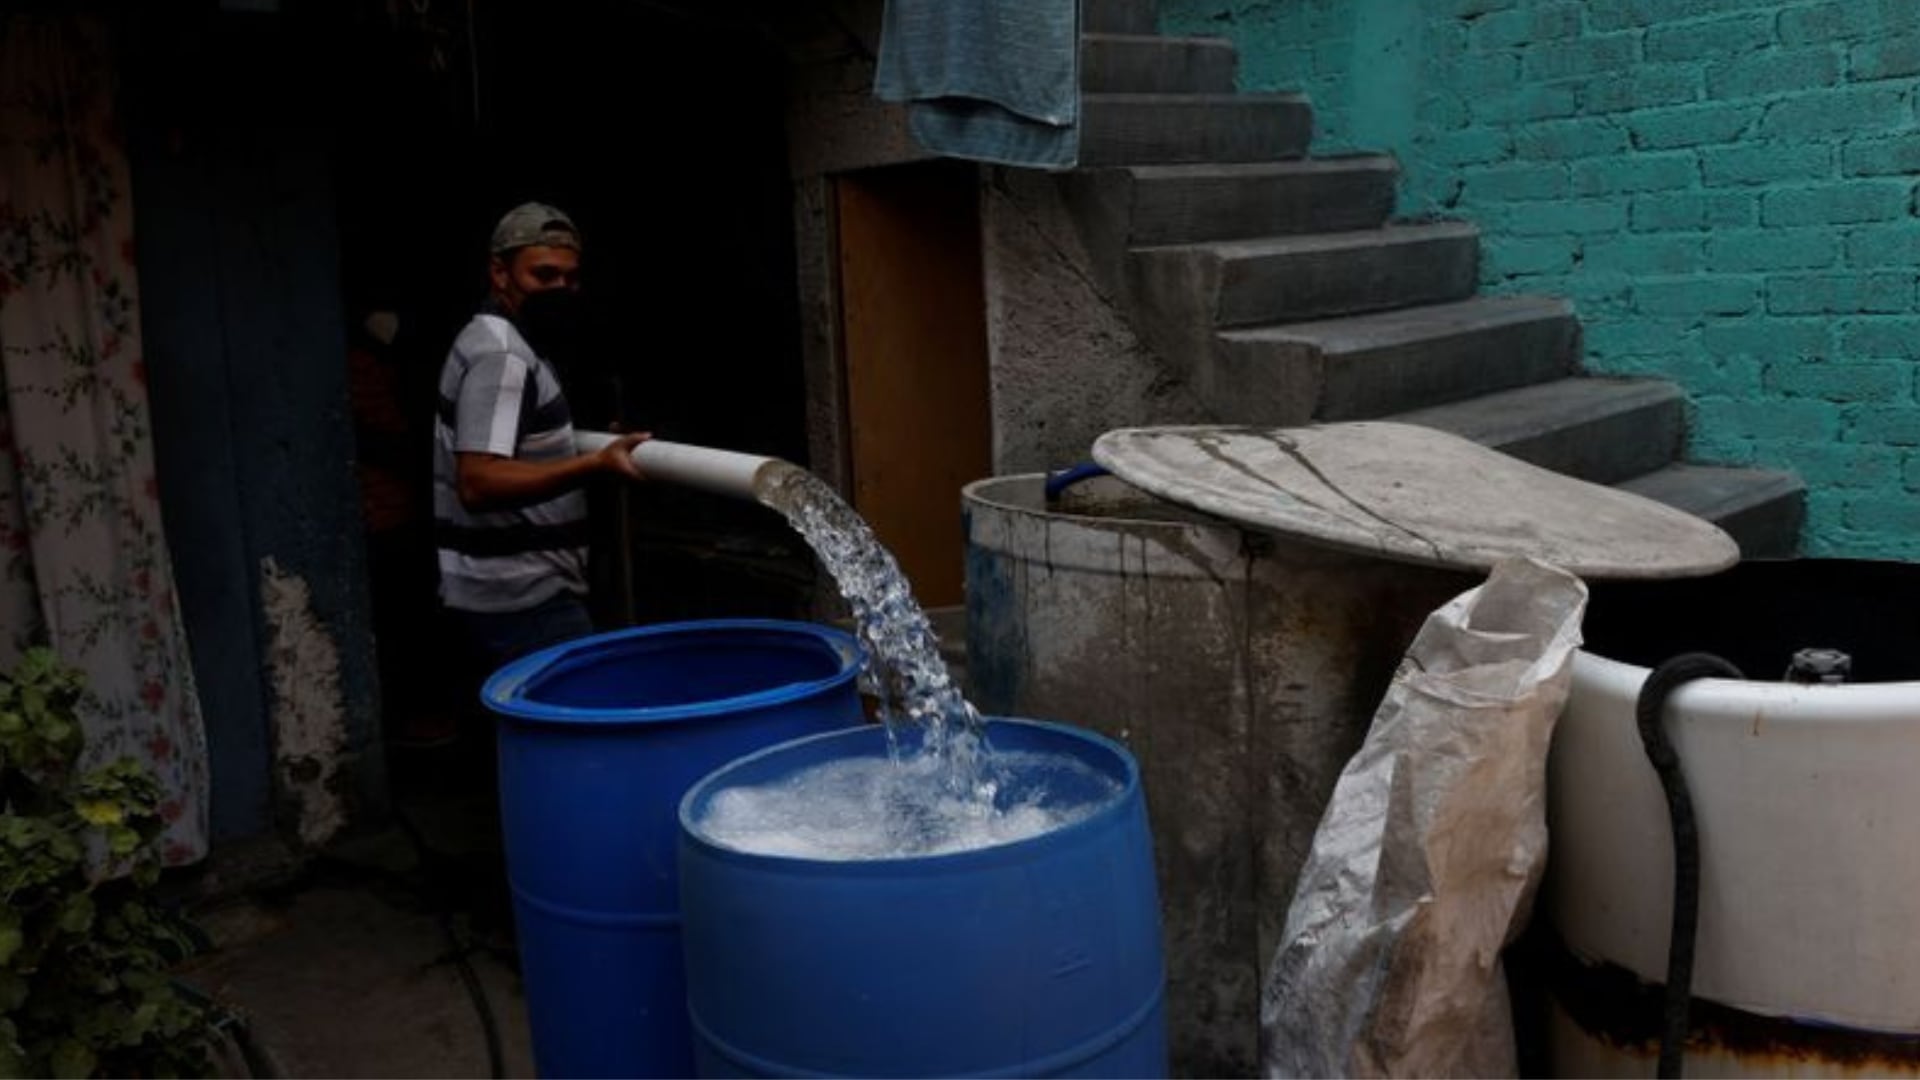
[492,482]
[617,456]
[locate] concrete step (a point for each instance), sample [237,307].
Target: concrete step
[1119,16]
[1183,204]
[1150,64]
[1763,509]
[1603,430]
[1274,279]
[1158,129]
[1372,365]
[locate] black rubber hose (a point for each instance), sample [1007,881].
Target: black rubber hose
[1678,998]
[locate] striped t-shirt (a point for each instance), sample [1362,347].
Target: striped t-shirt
[498,397]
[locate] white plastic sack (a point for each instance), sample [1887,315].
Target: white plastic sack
[1426,861]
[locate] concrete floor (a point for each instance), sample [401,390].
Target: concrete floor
[346,981]
[340,960]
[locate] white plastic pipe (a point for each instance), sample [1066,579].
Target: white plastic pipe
[719,472]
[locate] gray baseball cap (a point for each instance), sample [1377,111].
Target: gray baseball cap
[534,223]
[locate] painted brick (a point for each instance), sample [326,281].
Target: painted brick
[1685,210]
[1709,37]
[1892,58]
[1772,249]
[1899,156]
[1840,294]
[1636,253]
[1474,7]
[1640,336]
[1837,20]
[1837,112]
[1515,182]
[1537,255]
[1716,447]
[1585,56]
[1839,380]
[1625,14]
[1692,125]
[1597,294]
[1884,245]
[1840,203]
[1839,465]
[1541,22]
[1744,419]
[1645,87]
[1606,15]
[1569,139]
[1553,21]
[1471,147]
[1701,376]
[1909,468]
[1881,337]
[1447,112]
[1536,102]
[1763,163]
[1773,73]
[1697,295]
[1828,508]
[1771,339]
[1477,74]
[1642,172]
[1882,514]
[1570,216]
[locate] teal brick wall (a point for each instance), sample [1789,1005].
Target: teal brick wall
[1726,189]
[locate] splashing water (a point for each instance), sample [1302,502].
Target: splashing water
[907,675]
[876,808]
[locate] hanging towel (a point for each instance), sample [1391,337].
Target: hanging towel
[991,80]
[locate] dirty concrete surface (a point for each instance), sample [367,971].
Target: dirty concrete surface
[340,960]
[342,981]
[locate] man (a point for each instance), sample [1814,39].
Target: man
[510,518]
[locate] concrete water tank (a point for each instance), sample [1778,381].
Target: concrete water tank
[1242,669]
[1241,651]
[1806,799]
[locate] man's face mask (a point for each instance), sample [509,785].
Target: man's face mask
[552,322]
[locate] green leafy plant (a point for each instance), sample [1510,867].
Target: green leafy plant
[84,949]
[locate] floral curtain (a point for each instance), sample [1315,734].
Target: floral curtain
[83,560]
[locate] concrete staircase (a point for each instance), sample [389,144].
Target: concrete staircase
[1282,289]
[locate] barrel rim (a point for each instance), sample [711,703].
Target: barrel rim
[976,493]
[1105,817]
[504,691]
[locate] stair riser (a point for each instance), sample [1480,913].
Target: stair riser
[1360,386]
[1178,211]
[1768,530]
[1170,132]
[1156,67]
[1346,281]
[1119,17]
[1609,448]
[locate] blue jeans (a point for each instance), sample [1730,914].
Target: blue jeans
[499,637]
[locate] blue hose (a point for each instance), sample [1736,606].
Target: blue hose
[1060,481]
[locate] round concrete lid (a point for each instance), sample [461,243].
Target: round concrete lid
[1414,495]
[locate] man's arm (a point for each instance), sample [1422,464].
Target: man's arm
[493,482]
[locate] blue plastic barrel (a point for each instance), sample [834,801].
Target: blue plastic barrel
[1035,958]
[599,738]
